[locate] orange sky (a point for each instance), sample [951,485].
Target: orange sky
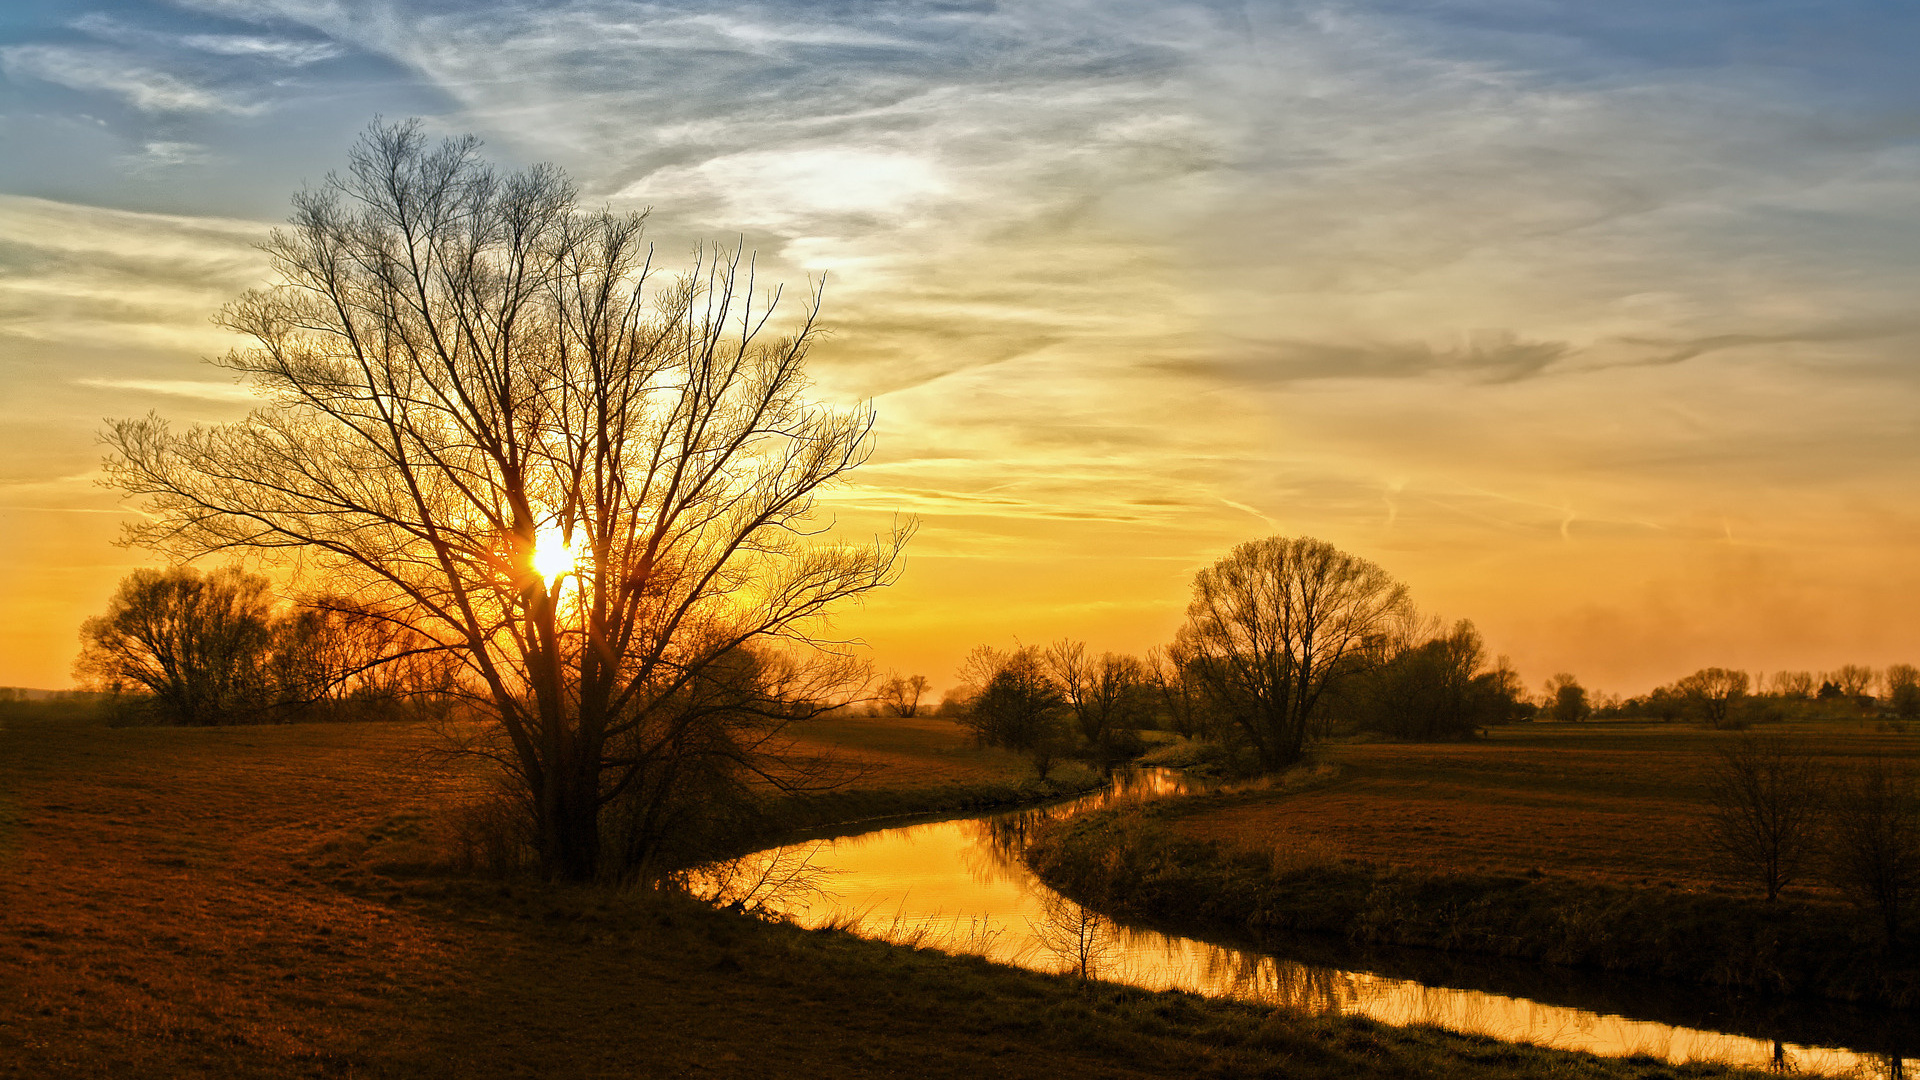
[1599,331]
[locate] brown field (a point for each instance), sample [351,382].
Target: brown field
[265,902]
[915,751]
[1618,802]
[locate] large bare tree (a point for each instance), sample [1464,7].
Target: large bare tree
[1273,625]
[595,487]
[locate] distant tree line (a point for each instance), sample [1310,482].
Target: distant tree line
[179,646]
[1732,698]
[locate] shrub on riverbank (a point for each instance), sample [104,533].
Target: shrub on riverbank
[1129,863]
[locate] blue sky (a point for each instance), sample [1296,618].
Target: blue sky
[1595,322]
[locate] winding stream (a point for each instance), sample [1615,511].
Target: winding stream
[960,885]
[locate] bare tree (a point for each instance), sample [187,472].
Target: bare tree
[1713,693]
[1792,684]
[340,658]
[1903,690]
[1272,625]
[1181,700]
[1020,706]
[1853,680]
[1081,939]
[1766,795]
[1106,692]
[595,491]
[900,696]
[1875,847]
[199,646]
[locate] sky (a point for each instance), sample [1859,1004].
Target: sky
[1593,323]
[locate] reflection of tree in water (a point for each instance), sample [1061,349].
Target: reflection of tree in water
[1284,984]
[1001,838]
[1079,938]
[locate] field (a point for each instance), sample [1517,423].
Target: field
[1620,803]
[248,902]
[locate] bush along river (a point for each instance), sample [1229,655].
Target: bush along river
[960,885]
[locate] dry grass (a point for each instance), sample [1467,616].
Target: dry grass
[1612,802]
[881,752]
[260,903]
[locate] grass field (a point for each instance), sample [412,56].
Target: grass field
[1621,803]
[263,902]
[1580,845]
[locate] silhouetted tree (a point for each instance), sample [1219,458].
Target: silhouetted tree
[1020,707]
[1108,694]
[1875,846]
[1566,699]
[341,659]
[1853,680]
[1713,694]
[1181,701]
[1903,690]
[1766,795]
[1792,684]
[1436,688]
[1272,625]
[199,647]
[900,696]
[595,490]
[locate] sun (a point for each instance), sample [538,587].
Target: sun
[552,554]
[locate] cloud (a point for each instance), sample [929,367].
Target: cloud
[288,52]
[204,391]
[1487,356]
[114,71]
[83,274]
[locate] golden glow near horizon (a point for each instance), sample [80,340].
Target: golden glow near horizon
[1592,324]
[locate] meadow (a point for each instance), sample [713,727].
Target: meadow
[275,901]
[1617,803]
[1572,844]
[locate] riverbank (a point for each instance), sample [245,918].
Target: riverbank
[1146,864]
[256,903]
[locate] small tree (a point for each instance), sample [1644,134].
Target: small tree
[1180,700]
[1766,796]
[1713,694]
[1566,699]
[1875,846]
[1107,694]
[900,696]
[1853,680]
[1081,939]
[1020,708]
[1437,688]
[199,646]
[1792,684]
[1903,690]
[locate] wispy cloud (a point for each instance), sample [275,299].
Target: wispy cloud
[290,52]
[113,71]
[204,391]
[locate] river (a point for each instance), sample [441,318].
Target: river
[960,885]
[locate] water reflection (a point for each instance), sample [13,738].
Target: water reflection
[961,886]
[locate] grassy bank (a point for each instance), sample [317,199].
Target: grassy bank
[265,903]
[1573,848]
[894,767]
